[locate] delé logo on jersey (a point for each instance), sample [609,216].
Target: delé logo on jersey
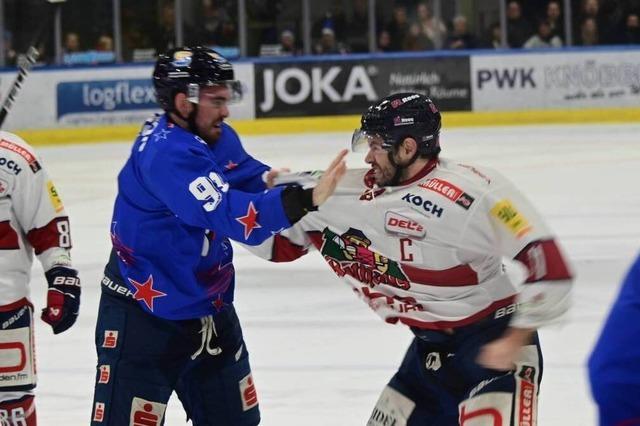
[450,191]
[396,223]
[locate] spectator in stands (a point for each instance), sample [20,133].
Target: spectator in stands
[384,42]
[460,38]
[416,40]
[9,51]
[217,27]
[632,33]
[357,32]
[328,44]
[333,19]
[518,28]
[288,44]
[71,43]
[398,28]
[611,21]
[165,30]
[493,39]
[543,38]
[590,9]
[104,44]
[554,18]
[431,26]
[589,32]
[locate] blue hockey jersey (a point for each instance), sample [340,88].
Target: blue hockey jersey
[179,201]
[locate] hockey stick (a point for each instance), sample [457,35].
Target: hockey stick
[25,65]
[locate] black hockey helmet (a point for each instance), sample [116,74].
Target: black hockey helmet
[400,116]
[186,69]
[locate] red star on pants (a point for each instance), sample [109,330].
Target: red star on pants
[231,165]
[249,221]
[145,292]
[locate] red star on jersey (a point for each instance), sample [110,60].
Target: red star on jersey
[218,303]
[145,292]
[231,165]
[249,221]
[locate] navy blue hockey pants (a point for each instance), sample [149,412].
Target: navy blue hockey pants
[142,359]
[439,382]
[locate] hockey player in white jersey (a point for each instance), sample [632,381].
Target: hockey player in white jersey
[421,239]
[32,220]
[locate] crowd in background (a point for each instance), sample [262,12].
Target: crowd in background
[274,27]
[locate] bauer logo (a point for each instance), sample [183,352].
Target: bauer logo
[77,97]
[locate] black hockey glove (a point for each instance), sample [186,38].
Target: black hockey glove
[63,298]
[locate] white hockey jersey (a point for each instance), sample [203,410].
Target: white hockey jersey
[32,219]
[429,252]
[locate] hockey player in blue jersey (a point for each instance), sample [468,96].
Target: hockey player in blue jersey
[615,361]
[166,320]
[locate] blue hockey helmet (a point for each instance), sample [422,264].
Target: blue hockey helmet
[397,117]
[186,69]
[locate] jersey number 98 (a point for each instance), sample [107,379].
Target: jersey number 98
[210,189]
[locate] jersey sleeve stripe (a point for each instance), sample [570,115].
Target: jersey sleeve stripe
[440,325]
[285,251]
[47,237]
[458,276]
[544,261]
[8,237]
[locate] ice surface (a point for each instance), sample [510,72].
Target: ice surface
[319,355]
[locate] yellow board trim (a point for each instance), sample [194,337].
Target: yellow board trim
[345,123]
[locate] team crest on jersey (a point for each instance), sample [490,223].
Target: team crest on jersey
[349,254]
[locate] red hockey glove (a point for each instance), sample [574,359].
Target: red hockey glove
[63,298]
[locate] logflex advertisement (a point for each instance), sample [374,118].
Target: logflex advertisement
[556,80]
[92,97]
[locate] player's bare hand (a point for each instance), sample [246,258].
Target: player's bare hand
[502,353]
[330,178]
[273,174]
